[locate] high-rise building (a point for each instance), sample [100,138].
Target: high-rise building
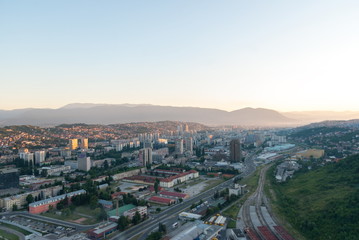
[186,128]
[179,146]
[235,151]
[83,162]
[40,157]
[9,178]
[189,145]
[28,157]
[66,153]
[145,156]
[73,144]
[180,130]
[84,143]
[148,144]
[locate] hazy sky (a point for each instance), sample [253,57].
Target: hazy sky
[284,55]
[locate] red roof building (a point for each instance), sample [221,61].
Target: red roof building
[161,200]
[117,194]
[102,231]
[174,194]
[152,188]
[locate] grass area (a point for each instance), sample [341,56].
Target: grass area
[7,236]
[322,203]
[88,213]
[71,217]
[18,229]
[138,236]
[269,191]
[252,180]
[232,212]
[86,210]
[192,183]
[212,183]
[231,224]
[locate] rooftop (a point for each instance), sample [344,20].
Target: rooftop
[121,210]
[174,194]
[57,198]
[160,199]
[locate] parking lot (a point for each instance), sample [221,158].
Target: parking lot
[52,231]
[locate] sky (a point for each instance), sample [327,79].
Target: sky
[283,55]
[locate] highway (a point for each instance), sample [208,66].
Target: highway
[169,214]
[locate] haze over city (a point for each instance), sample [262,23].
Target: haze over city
[228,55]
[179,120]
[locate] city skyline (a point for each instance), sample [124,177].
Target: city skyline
[278,55]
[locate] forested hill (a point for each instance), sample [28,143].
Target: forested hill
[323,203]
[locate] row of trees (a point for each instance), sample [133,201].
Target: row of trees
[124,222]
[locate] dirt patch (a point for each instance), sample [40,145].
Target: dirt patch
[80,220]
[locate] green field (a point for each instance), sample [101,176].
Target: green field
[86,212]
[212,183]
[7,236]
[252,182]
[321,203]
[231,224]
[232,212]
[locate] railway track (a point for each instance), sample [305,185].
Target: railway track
[257,220]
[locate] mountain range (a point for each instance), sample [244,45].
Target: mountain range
[124,113]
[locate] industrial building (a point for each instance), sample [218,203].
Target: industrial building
[161,200]
[102,231]
[189,216]
[175,195]
[44,205]
[195,230]
[142,210]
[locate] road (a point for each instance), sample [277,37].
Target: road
[20,235]
[169,214]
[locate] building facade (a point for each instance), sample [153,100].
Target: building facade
[145,156]
[235,151]
[40,157]
[83,162]
[9,178]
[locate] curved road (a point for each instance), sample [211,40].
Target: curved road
[9,230]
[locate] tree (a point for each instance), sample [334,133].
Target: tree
[102,215]
[29,198]
[44,173]
[14,207]
[93,201]
[105,165]
[137,218]
[122,223]
[162,228]
[154,236]
[66,212]
[157,185]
